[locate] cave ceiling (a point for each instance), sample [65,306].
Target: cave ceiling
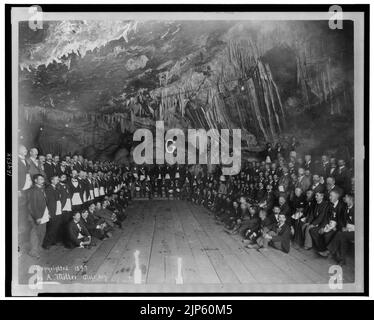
[190,74]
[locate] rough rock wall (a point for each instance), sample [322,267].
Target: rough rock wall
[89,85]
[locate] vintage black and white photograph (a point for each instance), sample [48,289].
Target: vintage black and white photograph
[166,152]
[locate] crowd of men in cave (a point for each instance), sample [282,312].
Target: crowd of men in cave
[282,199]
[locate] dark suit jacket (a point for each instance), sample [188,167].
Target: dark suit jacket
[36,202]
[339,214]
[64,193]
[52,195]
[73,232]
[343,179]
[33,168]
[49,170]
[321,214]
[283,236]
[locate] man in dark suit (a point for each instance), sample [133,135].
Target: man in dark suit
[53,197]
[24,178]
[336,220]
[66,205]
[282,238]
[323,167]
[343,178]
[308,165]
[303,181]
[316,220]
[48,167]
[39,215]
[331,186]
[33,162]
[339,245]
[56,164]
[317,186]
[24,183]
[78,235]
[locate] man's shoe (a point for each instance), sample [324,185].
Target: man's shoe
[324,254]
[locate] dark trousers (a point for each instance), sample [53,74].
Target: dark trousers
[321,241]
[37,234]
[339,244]
[24,224]
[52,232]
[63,230]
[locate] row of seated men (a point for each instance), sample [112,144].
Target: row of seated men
[68,206]
[270,206]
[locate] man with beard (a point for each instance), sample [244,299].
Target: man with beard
[303,181]
[56,164]
[78,235]
[48,167]
[331,186]
[41,161]
[33,162]
[336,222]
[317,186]
[55,211]
[315,221]
[39,215]
[339,245]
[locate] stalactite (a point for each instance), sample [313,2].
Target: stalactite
[255,104]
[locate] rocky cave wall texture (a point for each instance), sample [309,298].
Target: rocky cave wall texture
[85,86]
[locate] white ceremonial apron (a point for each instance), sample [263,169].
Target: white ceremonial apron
[102,193]
[67,206]
[91,194]
[28,182]
[45,217]
[96,192]
[58,208]
[76,199]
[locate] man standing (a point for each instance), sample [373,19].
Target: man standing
[56,165]
[55,211]
[33,162]
[343,179]
[66,205]
[24,178]
[37,207]
[24,183]
[48,167]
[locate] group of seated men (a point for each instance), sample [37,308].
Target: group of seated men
[72,202]
[270,202]
[301,200]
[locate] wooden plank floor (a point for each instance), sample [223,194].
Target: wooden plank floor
[164,231]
